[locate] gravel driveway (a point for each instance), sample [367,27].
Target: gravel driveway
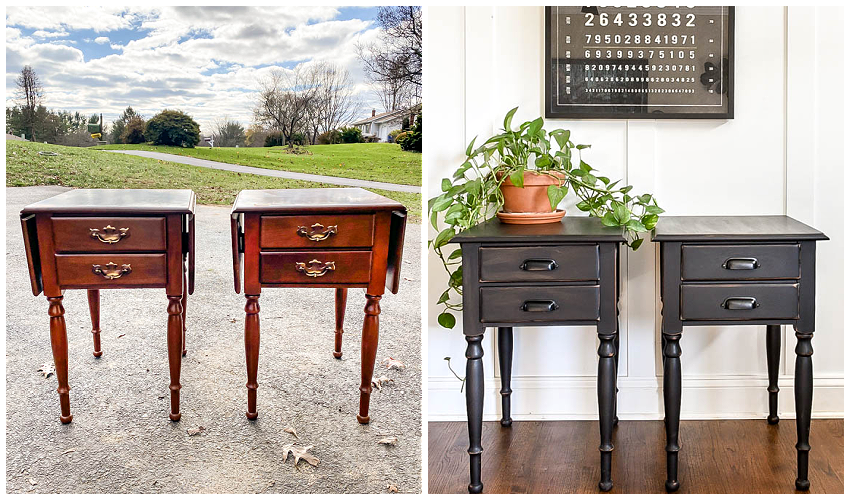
[121,440]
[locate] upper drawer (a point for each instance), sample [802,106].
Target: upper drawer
[740,262]
[309,231]
[108,234]
[527,304]
[543,263]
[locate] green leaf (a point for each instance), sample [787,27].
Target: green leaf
[456,279]
[582,146]
[434,220]
[604,180]
[446,185]
[636,226]
[444,297]
[543,161]
[589,179]
[625,189]
[584,206]
[446,320]
[516,179]
[585,167]
[535,126]
[471,144]
[509,117]
[645,198]
[444,237]
[609,220]
[655,210]
[636,244]
[649,221]
[458,253]
[621,212]
[556,194]
[441,203]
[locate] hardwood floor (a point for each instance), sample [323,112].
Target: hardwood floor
[717,456]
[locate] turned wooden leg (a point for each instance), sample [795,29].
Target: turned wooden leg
[175,353]
[474,408]
[616,370]
[774,343]
[672,405]
[59,345]
[339,309]
[605,381]
[368,351]
[183,308]
[252,350]
[803,405]
[94,312]
[506,352]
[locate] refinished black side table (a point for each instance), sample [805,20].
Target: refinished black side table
[559,274]
[753,270]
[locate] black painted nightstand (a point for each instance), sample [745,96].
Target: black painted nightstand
[561,274]
[754,270]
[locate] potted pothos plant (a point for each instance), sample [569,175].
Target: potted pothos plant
[502,167]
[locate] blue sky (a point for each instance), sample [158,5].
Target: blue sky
[206,61]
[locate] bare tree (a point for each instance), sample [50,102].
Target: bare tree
[30,93]
[333,103]
[284,100]
[227,133]
[394,94]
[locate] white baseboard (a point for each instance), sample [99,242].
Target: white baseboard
[574,398]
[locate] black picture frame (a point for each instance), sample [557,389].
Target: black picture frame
[638,111]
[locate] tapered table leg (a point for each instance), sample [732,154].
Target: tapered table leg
[94,312]
[605,382]
[774,343]
[803,405]
[252,350]
[59,345]
[506,352]
[616,370]
[672,405]
[339,310]
[367,354]
[183,301]
[474,408]
[175,352]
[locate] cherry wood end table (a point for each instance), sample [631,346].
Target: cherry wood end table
[559,274]
[97,239]
[746,270]
[329,238]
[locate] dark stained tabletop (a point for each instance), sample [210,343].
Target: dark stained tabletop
[327,200]
[746,227]
[153,201]
[569,229]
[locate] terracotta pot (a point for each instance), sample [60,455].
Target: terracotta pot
[533,196]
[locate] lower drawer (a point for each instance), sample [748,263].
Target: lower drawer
[521,304]
[315,267]
[740,302]
[111,270]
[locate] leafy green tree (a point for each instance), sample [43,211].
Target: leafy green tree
[119,124]
[134,131]
[412,141]
[351,135]
[173,128]
[273,139]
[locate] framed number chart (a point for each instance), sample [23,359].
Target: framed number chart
[639,62]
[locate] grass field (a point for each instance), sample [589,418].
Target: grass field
[86,168]
[373,162]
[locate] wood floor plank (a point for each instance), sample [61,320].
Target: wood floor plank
[717,456]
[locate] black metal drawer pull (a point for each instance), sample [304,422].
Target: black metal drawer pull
[539,306]
[741,264]
[739,303]
[539,265]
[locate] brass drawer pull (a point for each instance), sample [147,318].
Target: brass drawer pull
[109,234]
[739,303]
[111,270]
[317,232]
[741,264]
[315,268]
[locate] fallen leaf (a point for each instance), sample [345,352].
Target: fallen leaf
[378,382]
[392,363]
[46,370]
[195,432]
[392,488]
[118,337]
[389,441]
[32,481]
[291,431]
[69,450]
[300,453]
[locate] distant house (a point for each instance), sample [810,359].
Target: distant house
[380,125]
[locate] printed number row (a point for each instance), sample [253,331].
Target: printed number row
[631,54]
[661,19]
[639,67]
[633,39]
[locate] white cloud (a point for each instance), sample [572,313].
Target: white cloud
[101,40]
[49,34]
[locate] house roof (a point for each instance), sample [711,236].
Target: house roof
[388,116]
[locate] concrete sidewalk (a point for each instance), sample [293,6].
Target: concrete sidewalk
[327,179]
[121,440]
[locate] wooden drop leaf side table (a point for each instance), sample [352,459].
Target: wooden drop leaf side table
[97,239]
[559,274]
[746,270]
[327,238]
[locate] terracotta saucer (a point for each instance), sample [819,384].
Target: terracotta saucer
[531,217]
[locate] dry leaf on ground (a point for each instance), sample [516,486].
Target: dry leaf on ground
[392,488]
[378,382]
[392,363]
[291,431]
[300,453]
[69,450]
[46,370]
[389,440]
[195,432]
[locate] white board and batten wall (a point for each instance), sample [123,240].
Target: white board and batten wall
[781,154]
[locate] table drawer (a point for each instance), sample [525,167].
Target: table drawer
[111,270]
[315,267]
[740,301]
[109,234]
[521,304]
[539,263]
[740,262]
[320,231]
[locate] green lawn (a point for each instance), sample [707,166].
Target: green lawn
[85,168]
[373,162]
